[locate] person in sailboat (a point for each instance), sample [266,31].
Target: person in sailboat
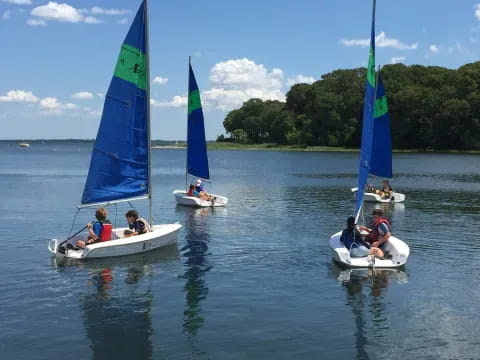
[201,193]
[380,232]
[136,224]
[387,190]
[98,230]
[353,241]
[191,190]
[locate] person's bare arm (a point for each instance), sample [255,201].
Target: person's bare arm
[383,239]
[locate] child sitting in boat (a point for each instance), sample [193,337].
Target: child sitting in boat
[136,224]
[97,230]
[352,240]
[201,193]
[191,190]
[380,232]
[387,190]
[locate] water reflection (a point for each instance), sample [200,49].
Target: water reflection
[195,253]
[365,291]
[117,304]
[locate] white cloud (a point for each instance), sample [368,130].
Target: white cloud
[398,59]
[160,80]
[122,21]
[6,15]
[52,104]
[176,101]
[82,95]
[434,49]
[19,2]
[19,96]
[57,12]
[477,11]
[100,95]
[92,20]
[54,11]
[300,79]
[381,40]
[36,22]
[235,81]
[100,11]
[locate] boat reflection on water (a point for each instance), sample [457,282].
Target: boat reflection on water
[196,254]
[365,291]
[117,303]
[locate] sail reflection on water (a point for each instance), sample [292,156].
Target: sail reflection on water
[195,253]
[117,303]
[365,291]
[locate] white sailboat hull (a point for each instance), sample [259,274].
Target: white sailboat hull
[161,236]
[182,199]
[396,248]
[372,197]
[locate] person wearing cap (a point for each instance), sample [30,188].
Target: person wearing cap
[352,240]
[201,193]
[199,186]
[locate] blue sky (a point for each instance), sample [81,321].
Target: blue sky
[58,57]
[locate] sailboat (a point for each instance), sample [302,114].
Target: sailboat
[372,160]
[381,152]
[120,165]
[197,158]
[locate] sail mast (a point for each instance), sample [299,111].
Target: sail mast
[149,129]
[188,99]
[367,126]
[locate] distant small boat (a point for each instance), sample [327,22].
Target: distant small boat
[24,145]
[381,152]
[197,158]
[120,166]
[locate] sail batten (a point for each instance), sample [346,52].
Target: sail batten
[120,157]
[197,158]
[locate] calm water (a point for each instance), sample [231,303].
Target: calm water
[253,280]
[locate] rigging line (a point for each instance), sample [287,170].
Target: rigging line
[73,223]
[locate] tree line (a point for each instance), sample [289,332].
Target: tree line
[430,107]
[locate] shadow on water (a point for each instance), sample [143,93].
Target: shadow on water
[118,302]
[196,264]
[365,291]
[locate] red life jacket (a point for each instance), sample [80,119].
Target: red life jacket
[106,233]
[374,235]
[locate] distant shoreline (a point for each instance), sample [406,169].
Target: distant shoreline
[213,145]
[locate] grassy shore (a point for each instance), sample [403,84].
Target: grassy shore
[273,147]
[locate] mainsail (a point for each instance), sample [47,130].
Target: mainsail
[119,166]
[197,159]
[367,127]
[381,164]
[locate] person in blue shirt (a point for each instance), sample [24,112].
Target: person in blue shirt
[95,228]
[352,240]
[201,193]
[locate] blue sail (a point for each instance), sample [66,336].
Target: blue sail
[381,164]
[197,159]
[367,126]
[119,163]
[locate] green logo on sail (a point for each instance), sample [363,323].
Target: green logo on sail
[381,107]
[194,101]
[131,66]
